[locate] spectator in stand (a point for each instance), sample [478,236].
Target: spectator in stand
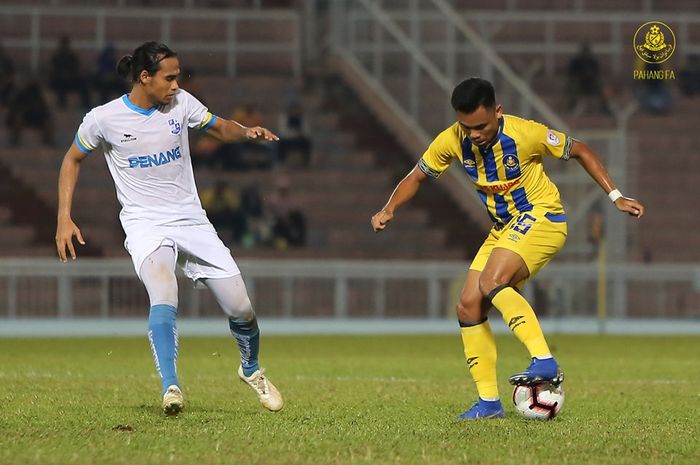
[242,155]
[289,228]
[65,74]
[206,151]
[654,94]
[294,142]
[689,77]
[259,221]
[584,83]
[107,83]
[27,108]
[188,81]
[7,76]
[223,207]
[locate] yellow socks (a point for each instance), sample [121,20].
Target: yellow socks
[521,320]
[480,351]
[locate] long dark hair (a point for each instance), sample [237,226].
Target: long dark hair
[147,56]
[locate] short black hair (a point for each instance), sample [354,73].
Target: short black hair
[147,56]
[473,93]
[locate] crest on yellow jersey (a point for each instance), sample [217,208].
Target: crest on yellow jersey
[510,162]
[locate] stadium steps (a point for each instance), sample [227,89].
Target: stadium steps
[339,192]
[30,223]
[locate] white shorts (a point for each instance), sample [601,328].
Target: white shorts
[200,253]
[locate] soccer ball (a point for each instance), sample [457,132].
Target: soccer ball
[539,402]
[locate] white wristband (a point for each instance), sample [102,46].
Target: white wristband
[614,195]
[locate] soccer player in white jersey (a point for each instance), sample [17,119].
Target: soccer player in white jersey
[145,143]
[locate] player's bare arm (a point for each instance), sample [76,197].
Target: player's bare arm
[231,131]
[65,227]
[594,167]
[405,190]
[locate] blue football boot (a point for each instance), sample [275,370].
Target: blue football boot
[484,409]
[539,371]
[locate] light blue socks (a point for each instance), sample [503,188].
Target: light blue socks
[248,337]
[162,334]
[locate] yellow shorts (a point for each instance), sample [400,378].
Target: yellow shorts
[536,236]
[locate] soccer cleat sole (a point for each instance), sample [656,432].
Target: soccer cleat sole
[522,379]
[173,402]
[173,409]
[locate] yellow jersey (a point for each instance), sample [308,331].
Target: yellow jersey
[508,174]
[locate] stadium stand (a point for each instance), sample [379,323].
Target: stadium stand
[346,149]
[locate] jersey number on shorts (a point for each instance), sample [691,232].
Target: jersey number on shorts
[523,224]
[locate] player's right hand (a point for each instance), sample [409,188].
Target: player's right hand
[380,219]
[65,231]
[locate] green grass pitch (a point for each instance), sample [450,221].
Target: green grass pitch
[350,400]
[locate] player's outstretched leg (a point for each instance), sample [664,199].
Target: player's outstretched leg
[233,298]
[521,319]
[480,352]
[162,334]
[247,335]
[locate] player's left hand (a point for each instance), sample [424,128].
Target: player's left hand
[380,220]
[257,133]
[631,206]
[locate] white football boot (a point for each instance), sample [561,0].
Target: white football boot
[173,402]
[270,397]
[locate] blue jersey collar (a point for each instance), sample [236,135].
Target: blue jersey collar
[131,106]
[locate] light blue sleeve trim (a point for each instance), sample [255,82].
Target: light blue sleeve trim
[210,123]
[82,147]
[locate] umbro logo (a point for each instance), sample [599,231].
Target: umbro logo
[128,138]
[516,321]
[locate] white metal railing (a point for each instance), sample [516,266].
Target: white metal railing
[36,39]
[31,288]
[174,3]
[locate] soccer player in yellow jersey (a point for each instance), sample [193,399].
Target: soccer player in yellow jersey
[502,157]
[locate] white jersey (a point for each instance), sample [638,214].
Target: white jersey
[148,155]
